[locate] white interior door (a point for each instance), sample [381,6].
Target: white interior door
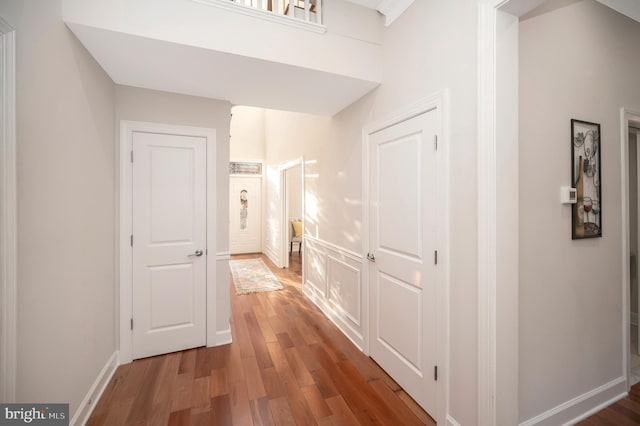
[169,243]
[402,240]
[245,213]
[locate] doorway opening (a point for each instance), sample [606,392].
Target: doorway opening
[631,133]
[292,220]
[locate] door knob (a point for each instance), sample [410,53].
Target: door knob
[371,257]
[197,253]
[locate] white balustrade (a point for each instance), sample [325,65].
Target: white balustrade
[306,10]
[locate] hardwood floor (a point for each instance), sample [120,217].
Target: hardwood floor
[624,412]
[287,365]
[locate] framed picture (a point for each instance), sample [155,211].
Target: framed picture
[586,219]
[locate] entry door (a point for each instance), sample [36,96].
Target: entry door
[245,213]
[402,240]
[169,243]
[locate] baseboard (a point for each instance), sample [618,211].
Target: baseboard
[583,406]
[272,256]
[634,318]
[451,421]
[223,337]
[95,392]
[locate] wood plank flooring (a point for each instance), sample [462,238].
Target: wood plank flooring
[624,412]
[287,365]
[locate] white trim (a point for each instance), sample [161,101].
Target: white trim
[88,403]
[225,255]
[343,251]
[274,17]
[317,292]
[223,337]
[392,9]
[125,224]
[8,216]
[284,217]
[489,148]
[437,101]
[564,407]
[451,421]
[626,115]
[486,214]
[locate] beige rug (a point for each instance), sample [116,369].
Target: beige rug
[252,276]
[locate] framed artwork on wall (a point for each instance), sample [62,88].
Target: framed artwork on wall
[586,220]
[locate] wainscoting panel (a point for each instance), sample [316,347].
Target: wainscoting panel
[333,281]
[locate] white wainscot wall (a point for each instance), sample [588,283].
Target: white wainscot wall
[333,281]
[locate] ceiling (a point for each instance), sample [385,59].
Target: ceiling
[391,9]
[132,60]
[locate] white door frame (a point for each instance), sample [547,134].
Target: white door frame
[626,115]
[498,256]
[8,215]
[440,102]
[284,217]
[125,227]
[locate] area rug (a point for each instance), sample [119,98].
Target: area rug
[252,276]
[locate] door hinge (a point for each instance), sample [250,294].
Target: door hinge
[131,240]
[435,257]
[435,142]
[435,373]
[132,156]
[132,323]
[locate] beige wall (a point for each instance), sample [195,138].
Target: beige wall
[137,104]
[578,59]
[66,191]
[432,46]
[247,134]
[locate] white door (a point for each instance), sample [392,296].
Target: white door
[245,213]
[402,241]
[169,243]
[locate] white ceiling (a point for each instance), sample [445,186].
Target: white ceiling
[391,9]
[159,65]
[631,8]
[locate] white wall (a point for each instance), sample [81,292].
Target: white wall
[294,191]
[430,47]
[350,47]
[578,59]
[66,191]
[137,104]
[247,134]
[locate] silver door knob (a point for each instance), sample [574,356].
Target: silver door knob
[197,253]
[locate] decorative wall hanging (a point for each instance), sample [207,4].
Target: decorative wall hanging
[586,220]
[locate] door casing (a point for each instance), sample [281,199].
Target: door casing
[439,102]
[125,227]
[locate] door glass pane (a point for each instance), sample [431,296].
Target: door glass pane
[244,202]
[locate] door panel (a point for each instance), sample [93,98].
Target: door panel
[169,226]
[402,237]
[245,213]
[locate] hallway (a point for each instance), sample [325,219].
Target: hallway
[288,364]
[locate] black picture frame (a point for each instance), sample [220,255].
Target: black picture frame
[586,217]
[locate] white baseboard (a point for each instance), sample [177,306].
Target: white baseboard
[272,256]
[223,337]
[582,406]
[95,392]
[451,421]
[634,318]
